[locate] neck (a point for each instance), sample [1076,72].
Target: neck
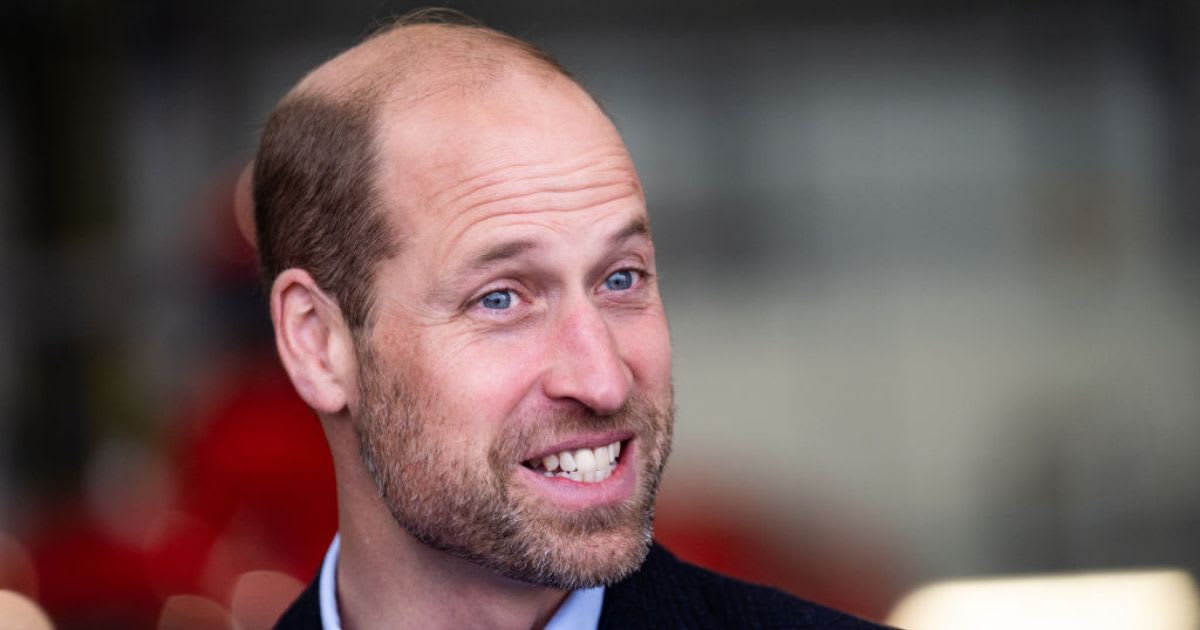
[388,579]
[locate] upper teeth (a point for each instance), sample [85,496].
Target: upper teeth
[586,464]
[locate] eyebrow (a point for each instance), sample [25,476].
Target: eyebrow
[503,251]
[508,250]
[512,249]
[637,227]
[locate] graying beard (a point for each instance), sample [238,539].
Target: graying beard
[511,550]
[509,553]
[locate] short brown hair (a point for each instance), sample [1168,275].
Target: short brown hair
[315,203]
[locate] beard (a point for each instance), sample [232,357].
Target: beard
[472,507]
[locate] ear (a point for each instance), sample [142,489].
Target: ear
[313,340]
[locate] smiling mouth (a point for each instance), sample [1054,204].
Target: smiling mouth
[585,465]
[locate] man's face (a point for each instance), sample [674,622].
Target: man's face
[515,401]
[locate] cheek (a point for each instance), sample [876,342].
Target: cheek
[486,382]
[646,348]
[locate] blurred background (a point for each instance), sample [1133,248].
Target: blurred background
[931,269]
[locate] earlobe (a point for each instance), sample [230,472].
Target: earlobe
[313,341]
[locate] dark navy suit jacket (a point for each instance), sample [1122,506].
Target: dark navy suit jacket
[666,593]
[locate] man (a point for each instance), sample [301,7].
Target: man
[463,287]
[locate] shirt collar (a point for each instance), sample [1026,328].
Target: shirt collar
[327,587]
[579,611]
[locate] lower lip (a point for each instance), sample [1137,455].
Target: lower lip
[576,495]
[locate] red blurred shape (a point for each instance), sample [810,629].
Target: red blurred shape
[257,472]
[87,579]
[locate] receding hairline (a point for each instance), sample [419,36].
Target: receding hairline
[407,61]
[354,92]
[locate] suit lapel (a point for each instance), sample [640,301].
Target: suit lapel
[305,612]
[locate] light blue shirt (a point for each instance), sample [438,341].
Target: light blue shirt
[579,611]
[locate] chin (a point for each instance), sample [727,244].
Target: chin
[597,560]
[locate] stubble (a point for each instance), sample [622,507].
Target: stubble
[471,507]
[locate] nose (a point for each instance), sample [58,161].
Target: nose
[586,364]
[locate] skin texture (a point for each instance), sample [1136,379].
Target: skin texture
[516,189]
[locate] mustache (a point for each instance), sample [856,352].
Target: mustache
[639,416]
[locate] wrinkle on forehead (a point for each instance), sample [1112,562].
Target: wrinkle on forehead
[606,165]
[499,192]
[535,212]
[563,201]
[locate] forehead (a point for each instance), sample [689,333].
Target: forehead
[525,142]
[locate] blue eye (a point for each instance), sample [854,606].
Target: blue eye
[619,280]
[497,300]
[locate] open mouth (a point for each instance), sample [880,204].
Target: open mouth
[585,465]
